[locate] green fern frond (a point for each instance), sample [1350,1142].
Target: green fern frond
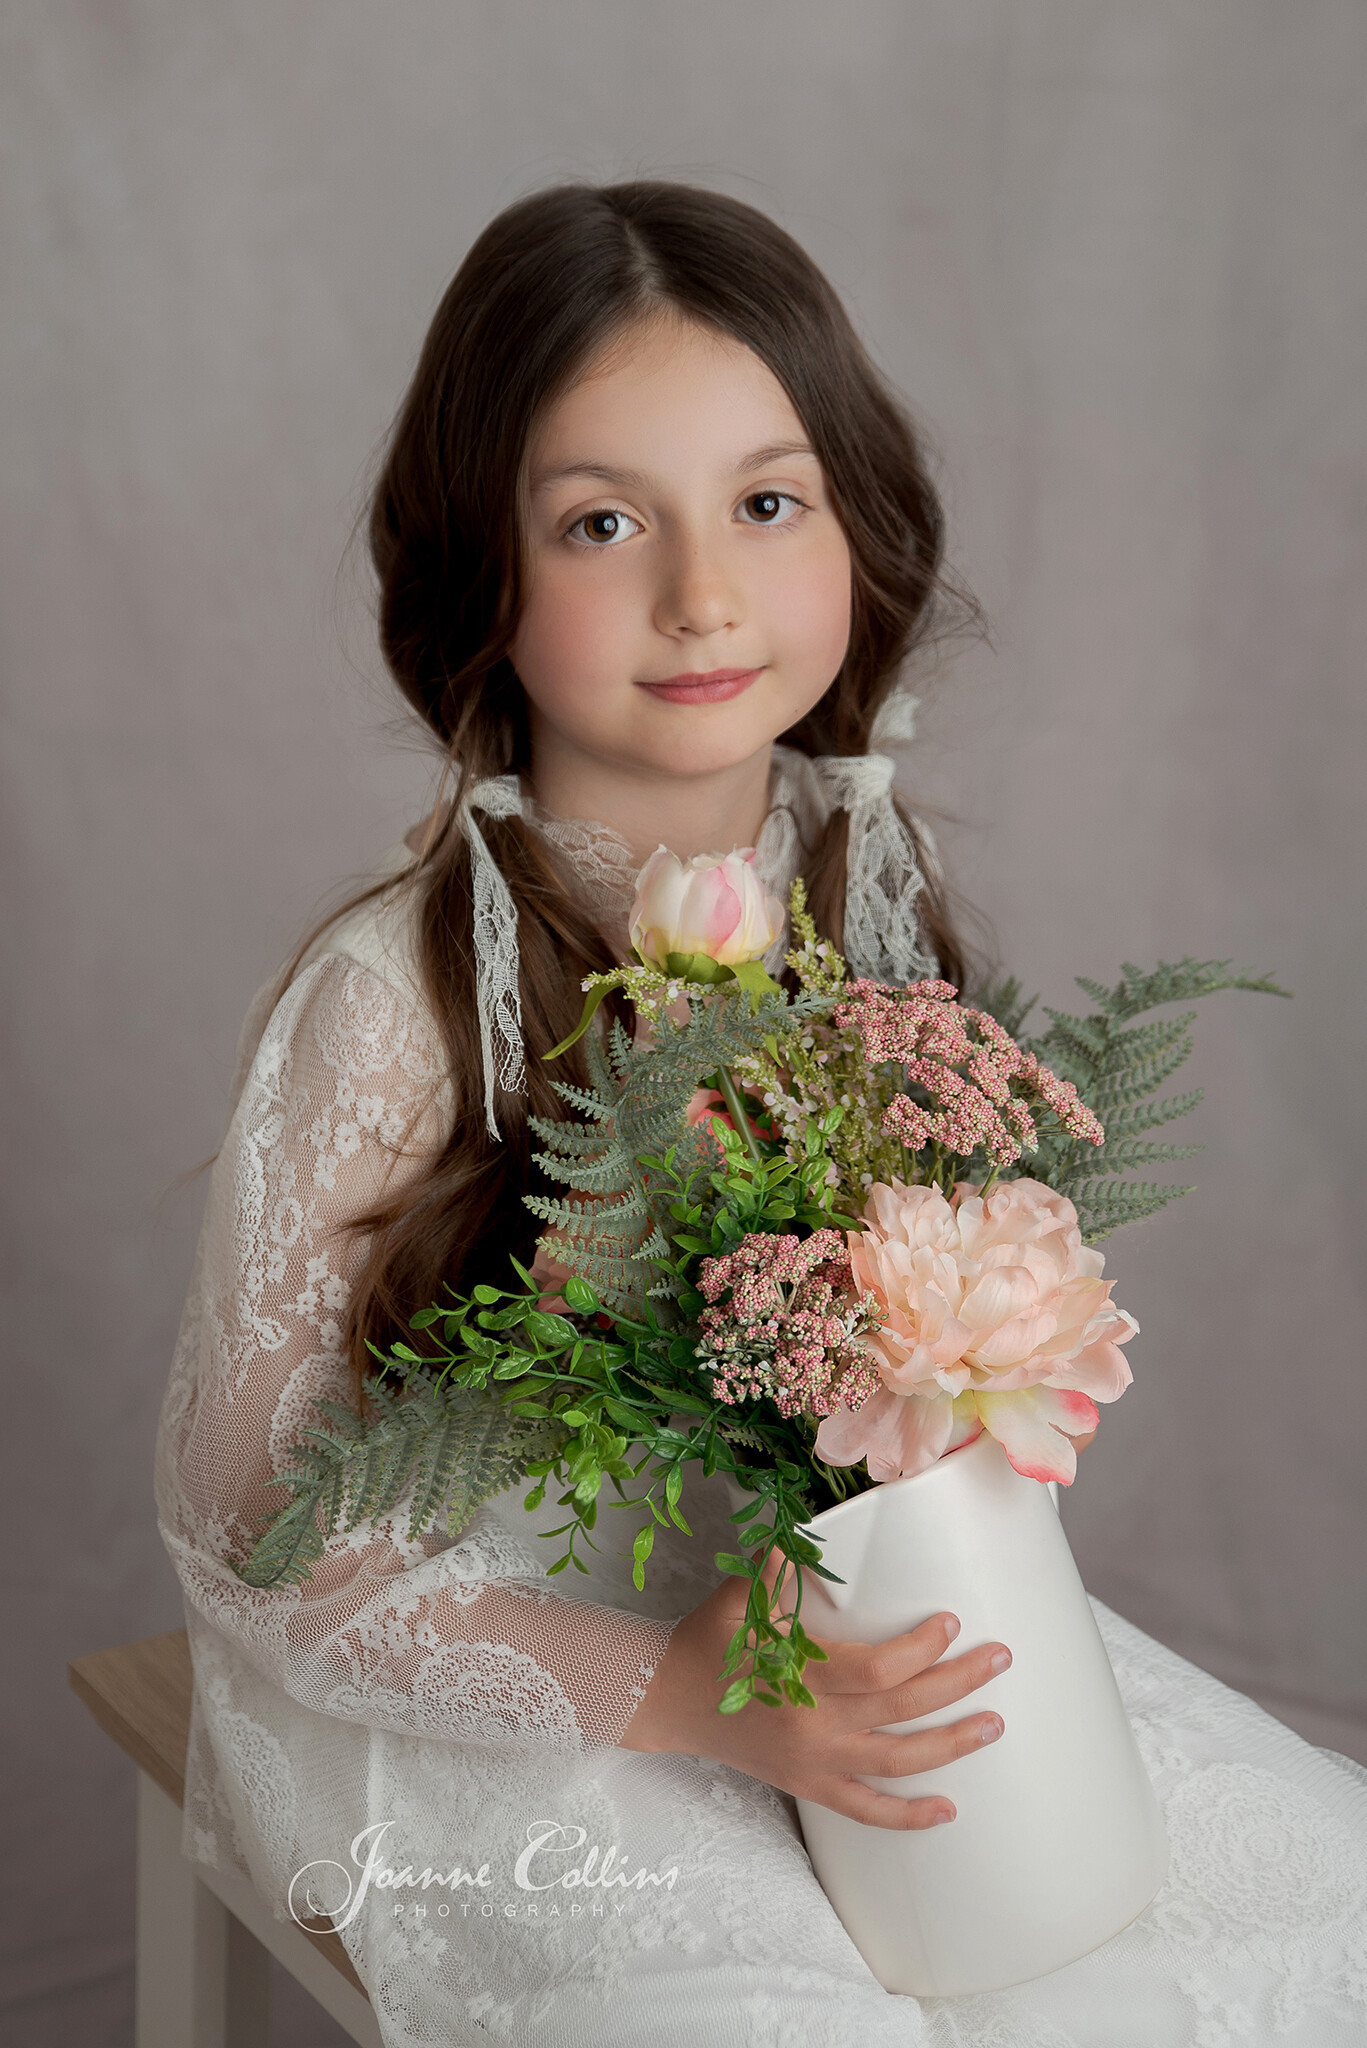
[1102,1206]
[1087,1039]
[450,1444]
[1117,1071]
[567,1140]
[589,1175]
[619,1047]
[1176,981]
[1123,1155]
[575,1222]
[586,1099]
[1120,1087]
[1127,1123]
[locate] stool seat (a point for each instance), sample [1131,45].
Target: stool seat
[203,1934]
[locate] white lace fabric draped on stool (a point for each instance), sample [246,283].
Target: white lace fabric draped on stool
[447,1697]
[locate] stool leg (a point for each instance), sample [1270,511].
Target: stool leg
[249,1987]
[203,1981]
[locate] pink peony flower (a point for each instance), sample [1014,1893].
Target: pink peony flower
[714,904]
[998,1318]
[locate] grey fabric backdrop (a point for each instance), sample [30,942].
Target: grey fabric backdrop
[1111,254]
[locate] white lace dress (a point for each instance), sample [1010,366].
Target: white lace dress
[447,1698]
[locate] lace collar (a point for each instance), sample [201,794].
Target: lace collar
[605,865]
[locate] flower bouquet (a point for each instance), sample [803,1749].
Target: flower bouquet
[801,1247]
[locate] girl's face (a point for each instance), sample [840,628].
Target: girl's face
[678,528]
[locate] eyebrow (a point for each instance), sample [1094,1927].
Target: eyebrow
[637,480]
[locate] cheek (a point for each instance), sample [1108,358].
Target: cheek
[807,595]
[571,628]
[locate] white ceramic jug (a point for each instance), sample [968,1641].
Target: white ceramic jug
[1058,1842]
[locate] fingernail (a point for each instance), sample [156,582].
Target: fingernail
[942,1817]
[990,1730]
[1002,1661]
[951,1630]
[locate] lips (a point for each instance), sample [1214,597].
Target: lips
[712,688]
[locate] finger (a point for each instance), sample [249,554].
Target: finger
[882,1809]
[925,1749]
[947,1680]
[878,1667]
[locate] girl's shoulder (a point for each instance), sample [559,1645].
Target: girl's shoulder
[365,967]
[381,934]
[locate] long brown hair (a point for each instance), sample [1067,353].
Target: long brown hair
[546,286]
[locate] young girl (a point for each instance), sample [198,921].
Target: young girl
[652,541]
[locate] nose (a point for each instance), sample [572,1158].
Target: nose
[697,594]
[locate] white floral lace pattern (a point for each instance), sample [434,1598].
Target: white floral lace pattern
[345,1091]
[442,1692]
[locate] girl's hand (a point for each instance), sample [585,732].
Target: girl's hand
[813,1753]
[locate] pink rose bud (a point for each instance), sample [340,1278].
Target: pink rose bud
[714,904]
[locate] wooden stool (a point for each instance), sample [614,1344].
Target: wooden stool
[203,1935]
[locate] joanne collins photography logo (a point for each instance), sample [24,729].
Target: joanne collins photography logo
[328,1890]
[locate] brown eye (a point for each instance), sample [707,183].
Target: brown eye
[771,508]
[602,529]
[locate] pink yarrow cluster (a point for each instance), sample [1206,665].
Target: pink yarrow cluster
[927,1030]
[785,1323]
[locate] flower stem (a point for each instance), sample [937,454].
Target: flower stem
[731,1097]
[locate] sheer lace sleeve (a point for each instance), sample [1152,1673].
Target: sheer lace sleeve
[456,1637]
